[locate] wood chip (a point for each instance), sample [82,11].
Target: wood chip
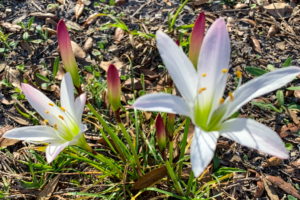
[43,15]
[256,45]
[11,27]
[273,161]
[119,34]
[88,44]
[78,8]
[285,186]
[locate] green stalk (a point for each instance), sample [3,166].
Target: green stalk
[175,16]
[119,145]
[183,145]
[174,178]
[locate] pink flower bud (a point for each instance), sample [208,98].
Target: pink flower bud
[161,136]
[197,36]
[170,125]
[113,87]
[66,52]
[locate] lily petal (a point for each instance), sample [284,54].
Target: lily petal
[79,105]
[54,149]
[213,63]
[162,102]
[42,104]
[260,86]
[202,149]
[179,66]
[254,135]
[197,36]
[44,134]
[67,94]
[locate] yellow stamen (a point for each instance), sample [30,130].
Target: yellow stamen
[46,121]
[50,104]
[221,100]
[204,75]
[46,111]
[61,117]
[238,73]
[55,126]
[231,97]
[224,70]
[201,90]
[63,109]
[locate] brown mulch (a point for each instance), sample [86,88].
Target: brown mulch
[260,37]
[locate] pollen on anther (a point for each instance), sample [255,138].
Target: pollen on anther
[221,100]
[201,90]
[224,70]
[46,111]
[231,97]
[61,117]
[46,121]
[63,109]
[55,126]
[50,104]
[238,73]
[203,74]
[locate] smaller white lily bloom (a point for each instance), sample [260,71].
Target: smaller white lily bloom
[203,97]
[63,126]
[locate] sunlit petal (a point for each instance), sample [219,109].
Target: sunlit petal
[260,86]
[162,102]
[43,134]
[179,66]
[67,94]
[54,149]
[213,63]
[202,149]
[79,105]
[255,135]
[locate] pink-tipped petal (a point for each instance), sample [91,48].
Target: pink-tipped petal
[255,135]
[66,52]
[197,36]
[113,87]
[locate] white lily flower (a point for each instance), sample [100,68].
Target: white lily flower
[202,97]
[63,126]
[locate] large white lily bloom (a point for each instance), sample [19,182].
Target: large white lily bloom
[63,126]
[202,97]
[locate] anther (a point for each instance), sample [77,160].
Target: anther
[46,111]
[55,126]
[50,104]
[61,117]
[203,74]
[224,70]
[221,101]
[63,109]
[238,73]
[46,121]
[231,97]
[201,90]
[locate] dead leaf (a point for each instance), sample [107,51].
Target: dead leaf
[278,10]
[285,186]
[248,21]
[199,2]
[78,8]
[62,2]
[73,26]
[150,178]
[119,34]
[5,142]
[19,120]
[91,19]
[294,116]
[272,30]
[273,161]
[43,15]
[77,50]
[240,6]
[256,45]
[46,193]
[49,30]
[297,93]
[11,27]
[88,44]
[118,64]
[271,192]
